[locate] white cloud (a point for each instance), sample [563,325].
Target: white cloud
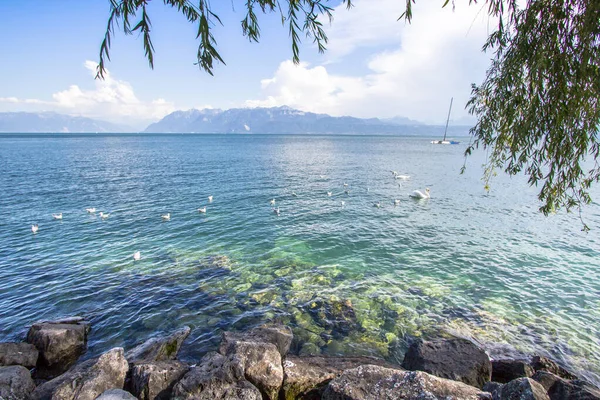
[413,70]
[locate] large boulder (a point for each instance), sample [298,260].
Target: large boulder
[116,394]
[149,381]
[521,389]
[24,354]
[163,348]
[541,363]
[15,383]
[279,335]
[504,371]
[559,388]
[307,377]
[456,359]
[87,380]
[60,344]
[375,382]
[216,378]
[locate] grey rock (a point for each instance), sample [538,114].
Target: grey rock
[151,381]
[159,349]
[216,378]
[24,354]
[87,380]
[521,389]
[559,388]
[60,343]
[456,359]
[504,371]
[492,387]
[541,363]
[15,383]
[279,335]
[374,382]
[116,394]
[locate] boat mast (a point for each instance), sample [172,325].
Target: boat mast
[448,119]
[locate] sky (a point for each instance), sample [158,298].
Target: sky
[374,66]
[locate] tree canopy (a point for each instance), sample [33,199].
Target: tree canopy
[537,109]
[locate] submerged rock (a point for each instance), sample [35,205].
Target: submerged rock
[87,380]
[504,371]
[15,383]
[116,394]
[159,349]
[24,354]
[336,316]
[456,359]
[216,378]
[541,363]
[559,388]
[375,382]
[60,343]
[151,381]
[521,389]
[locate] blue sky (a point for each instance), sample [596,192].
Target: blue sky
[375,66]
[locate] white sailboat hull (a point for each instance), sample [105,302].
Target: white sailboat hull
[440,142]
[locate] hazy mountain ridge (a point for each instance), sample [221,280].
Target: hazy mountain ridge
[50,122]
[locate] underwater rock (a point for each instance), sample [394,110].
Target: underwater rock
[504,371]
[541,363]
[560,388]
[216,378]
[116,394]
[217,262]
[309,349]
[15,383]
[521,389]
[456,359]
[60,343]
[279,335]
[336,316]
[24,354]
[155,380]
[375,382]
[87,380]
[163,348]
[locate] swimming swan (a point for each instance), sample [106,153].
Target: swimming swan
[329,194]
[272,202]
[136,256]
[91,210]
[166,217]
[104,215]
[210,199]
[202,210]
[57,216]
[34,228]
[417,194]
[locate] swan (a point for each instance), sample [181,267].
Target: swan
[345,184]
[272,202]
[378,205]
[202,210]
[403,177]
[276,211]
[417,194]
[137,255]
[34,228]
[343,203]
[329,194]
[294,194]
[57,216]
[210,199]
[104,215]
[91,210]
[166,217]
[396,202]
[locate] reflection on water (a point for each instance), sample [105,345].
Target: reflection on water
[355,279]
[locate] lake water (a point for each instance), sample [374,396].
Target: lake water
[352,279]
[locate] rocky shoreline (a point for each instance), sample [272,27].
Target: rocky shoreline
[257,364]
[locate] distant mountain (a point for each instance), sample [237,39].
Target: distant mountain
[24,122]
[282,120]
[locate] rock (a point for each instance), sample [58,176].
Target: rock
[541,363]
[504,371]
[375,382]
[15,383]
[24,354]
[456,359]
[156,380]
[87,380]
[159,349]
[279,335]
[559,388]
[521,389]
[261,363]
[116,394]
[491,387]
[60,343]
[307,377]
[216,378]
[336,316]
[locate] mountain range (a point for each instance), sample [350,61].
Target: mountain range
[274,120]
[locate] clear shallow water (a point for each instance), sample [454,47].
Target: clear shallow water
[356,279]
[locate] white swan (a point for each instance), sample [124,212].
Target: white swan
[210,199]
[378,205]
[276,211]
[34,228]
[343,203]
[396,202]
[104,215]
[137,256]
[294,194]
[272,202]
[91,210]
[345,184]
[329,194]
[57,216]
[417,194]
[403,177]
[166,217]
[202,210]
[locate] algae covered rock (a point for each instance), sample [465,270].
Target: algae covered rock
[155,380]
[87,380]
[15,383]
[456,359]
[163,348]
[375,382]
[521,389]
[559,388]
[24,354]
[504,371]
[60,343]
[336,316]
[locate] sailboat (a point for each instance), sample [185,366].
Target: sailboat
[444,141]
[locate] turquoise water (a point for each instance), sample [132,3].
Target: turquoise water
[350,280]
